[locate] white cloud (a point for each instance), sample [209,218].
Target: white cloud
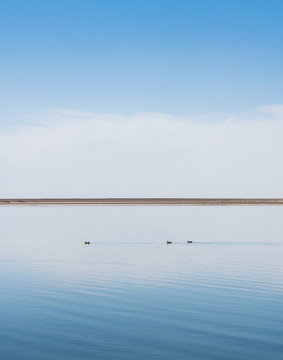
[77,154]
[275,110]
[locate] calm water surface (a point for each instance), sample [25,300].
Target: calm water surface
[128,295]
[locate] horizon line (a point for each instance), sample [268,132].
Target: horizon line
[147,201]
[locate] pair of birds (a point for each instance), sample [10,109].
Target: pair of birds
[188,242]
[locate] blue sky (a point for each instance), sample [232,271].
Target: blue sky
[179,57]
[141,98]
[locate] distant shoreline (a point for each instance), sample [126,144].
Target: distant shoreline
[141,201]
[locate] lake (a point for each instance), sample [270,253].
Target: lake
[129,295]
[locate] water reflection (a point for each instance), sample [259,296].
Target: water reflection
[128,294]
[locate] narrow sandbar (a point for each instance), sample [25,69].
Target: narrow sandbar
[141,201]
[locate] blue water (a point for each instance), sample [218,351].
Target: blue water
[128,295]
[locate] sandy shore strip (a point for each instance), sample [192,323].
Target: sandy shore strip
[141,201]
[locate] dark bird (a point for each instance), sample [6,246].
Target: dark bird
[169,242]
[87,242]
[189,241]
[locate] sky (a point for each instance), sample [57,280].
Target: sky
[141,98]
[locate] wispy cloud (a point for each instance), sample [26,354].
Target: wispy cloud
[71,153]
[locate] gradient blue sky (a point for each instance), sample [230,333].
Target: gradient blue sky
[180,57]
[141,98]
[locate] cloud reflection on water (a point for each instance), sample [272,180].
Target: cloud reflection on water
[129,295]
